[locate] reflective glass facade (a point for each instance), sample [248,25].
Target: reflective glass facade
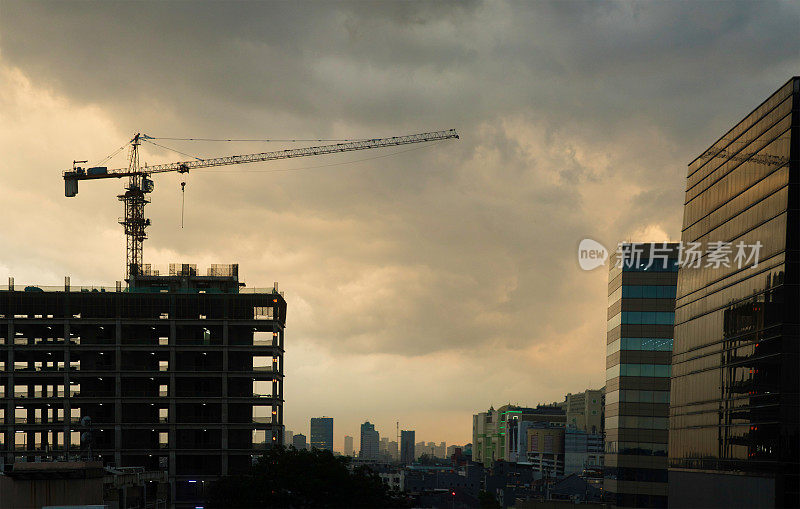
[641,309]
[734,392]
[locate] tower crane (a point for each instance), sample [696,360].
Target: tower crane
[140,182]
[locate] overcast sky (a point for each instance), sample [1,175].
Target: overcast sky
[422,286]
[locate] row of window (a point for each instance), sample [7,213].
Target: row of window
[636,422]
[642,292]
[653,370]
[636,448]
[640,344]
[642,318]
[631,396]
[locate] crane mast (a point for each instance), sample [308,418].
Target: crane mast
[140,184]
[134,222]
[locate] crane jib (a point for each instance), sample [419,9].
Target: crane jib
[184,166]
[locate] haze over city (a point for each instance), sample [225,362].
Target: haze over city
[423,284]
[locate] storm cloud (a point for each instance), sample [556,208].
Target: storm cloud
[426,283]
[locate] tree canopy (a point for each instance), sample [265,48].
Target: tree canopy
[299,478]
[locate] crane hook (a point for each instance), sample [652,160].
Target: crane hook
[183,200]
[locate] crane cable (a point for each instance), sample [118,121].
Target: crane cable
[148,138]
[112,154]
[265,140]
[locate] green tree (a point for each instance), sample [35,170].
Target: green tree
[292,478]
[427,460]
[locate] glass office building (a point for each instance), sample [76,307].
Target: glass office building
[322,433]
[734,396]
[641,309]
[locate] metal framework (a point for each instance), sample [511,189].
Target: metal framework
[139,183]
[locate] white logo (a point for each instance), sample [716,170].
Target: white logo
[591,254]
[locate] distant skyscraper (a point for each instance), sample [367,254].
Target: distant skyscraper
[734,430]
[322,433]
[299,442]
[348,445]
[451,449]
[641,313]
[392,451]
[407,455]
[419,449]
[370,438]
[287,437]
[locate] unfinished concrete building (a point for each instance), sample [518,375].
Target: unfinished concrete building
[177,372]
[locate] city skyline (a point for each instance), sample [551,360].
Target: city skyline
[484,231]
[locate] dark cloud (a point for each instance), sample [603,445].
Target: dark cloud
[577,119]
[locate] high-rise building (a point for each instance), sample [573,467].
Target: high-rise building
[451,449]
[370,438]
[299,442]
[348,445]
[585,410]
[419,449]
[180,373]
[407,454]
[641,310]
[322,433]
[441,450]
[287,437]
[392,451]
[735,410]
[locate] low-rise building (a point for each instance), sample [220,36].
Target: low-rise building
[545,450]
[585,410]
[299,442]
[495,433]
[582,450]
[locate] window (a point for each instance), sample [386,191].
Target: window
[648,317]
[648,292]
[648,370]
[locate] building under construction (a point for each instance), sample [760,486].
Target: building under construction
[180,372]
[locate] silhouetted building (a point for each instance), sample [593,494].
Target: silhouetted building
[299,442]
[369,442]
[407,453]
[181,373]
[735,415]
[641,312]
[322,433]
[348,445]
